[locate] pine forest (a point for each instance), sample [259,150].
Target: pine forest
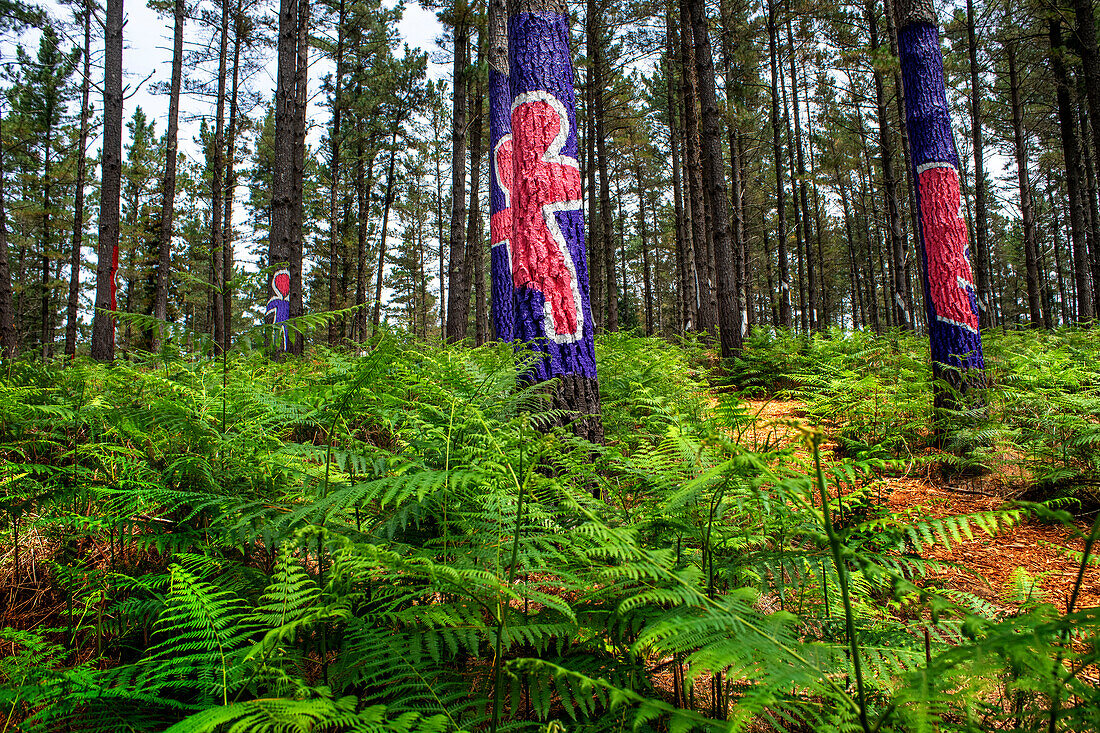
[446,366]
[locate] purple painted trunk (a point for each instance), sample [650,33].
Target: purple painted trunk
[949,284]
[278,306]
[547,242]
[500,215]
[538,177]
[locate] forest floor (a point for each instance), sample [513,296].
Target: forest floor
[989,567]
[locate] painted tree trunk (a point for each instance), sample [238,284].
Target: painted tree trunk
[950,297]
[282,188]
[500,218]
[540,177]
[103,323]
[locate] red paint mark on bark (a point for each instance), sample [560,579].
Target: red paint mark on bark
[950,279]
[500,223]
[542,183]
[282,283]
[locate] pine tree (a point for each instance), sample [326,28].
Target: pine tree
[953,325]
[553,313]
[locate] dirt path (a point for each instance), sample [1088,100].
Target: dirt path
[1041,550]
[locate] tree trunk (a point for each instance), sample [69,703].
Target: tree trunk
[73,303]
[1031,251]
[458,297]
[552,307]
[707,305]
[737,223]
[799,250]
[811,285]
[217,191]
[475,260]
[1090,192]
[280,283]
[387,202]
[1063,300]
[607,256]
[1090,66]
[301,79]
[46,332]
[8,344]
[334,175]
[643,235]
[784,294]
[103,325]
[500,216]
[362,207]
[953,326]
[900,304]
[230,181]
[729,319]
[685,257]
[981,228]
[1072,156]
[597,269]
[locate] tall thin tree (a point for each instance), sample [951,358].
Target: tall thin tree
[103,323]
[73,303]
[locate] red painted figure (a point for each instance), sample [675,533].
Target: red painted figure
[552,182]
[950,281]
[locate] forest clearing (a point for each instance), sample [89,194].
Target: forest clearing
[392,543]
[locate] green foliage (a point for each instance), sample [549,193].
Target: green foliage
[390,542]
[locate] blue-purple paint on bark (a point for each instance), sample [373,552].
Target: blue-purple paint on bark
[500,216]
[949,290]
[278,305]
[549,271]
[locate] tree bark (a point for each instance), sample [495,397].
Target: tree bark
[387,202]
[103,325]
[981,228]
[8,345]
[334,175]
[607,256]
[707,305]
[500,216]
[729,319]
[280,280]
[230,181]
[737,222]
[953,327]
[811,285]
[217,191]
[784,294]
[1071,153]
[1090,66]
[685,257]
[301,80]
[1031,251]
[73,303]
[900,304]
[596,253]
[553,313]
[458,297]
[643,235]
[475,259]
